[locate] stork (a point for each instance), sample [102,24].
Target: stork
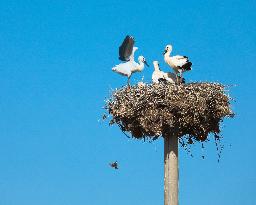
[126,54]
[130,67]
[159,76]
[179,64]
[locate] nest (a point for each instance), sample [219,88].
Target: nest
[194,110]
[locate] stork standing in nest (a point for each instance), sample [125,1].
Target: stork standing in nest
[179,64]
[128,68]
[160,76]
[126,54]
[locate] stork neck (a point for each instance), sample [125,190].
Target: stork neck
[141,66]
[167,54]
[157,68]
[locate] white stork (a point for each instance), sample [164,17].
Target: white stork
[179,64]
[130,67]
[126,54]
[160,76]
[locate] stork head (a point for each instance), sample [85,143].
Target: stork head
[156,65]
[168,49]
[141,59]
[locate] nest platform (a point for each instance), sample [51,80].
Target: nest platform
[194,110]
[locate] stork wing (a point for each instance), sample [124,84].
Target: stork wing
[180,57]
[132,55]
[126,49]
[179,60]
[123,68]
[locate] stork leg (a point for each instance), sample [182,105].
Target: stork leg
[180,77]
[128,82]
[177,78]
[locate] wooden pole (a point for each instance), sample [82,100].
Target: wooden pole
[171,170]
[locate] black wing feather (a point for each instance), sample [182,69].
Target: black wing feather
[187,66]
[125,50]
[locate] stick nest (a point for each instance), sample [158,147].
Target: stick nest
[194,109]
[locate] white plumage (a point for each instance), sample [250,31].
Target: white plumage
[179,63]
[159,75]
[130,67]
[132,55]
[126,54]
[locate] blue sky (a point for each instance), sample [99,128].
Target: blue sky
[55,72]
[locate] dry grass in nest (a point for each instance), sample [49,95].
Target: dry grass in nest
[195,110]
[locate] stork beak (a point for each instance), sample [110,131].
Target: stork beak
[146,63]
[165,51]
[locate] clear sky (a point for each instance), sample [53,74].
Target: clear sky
[55,72]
